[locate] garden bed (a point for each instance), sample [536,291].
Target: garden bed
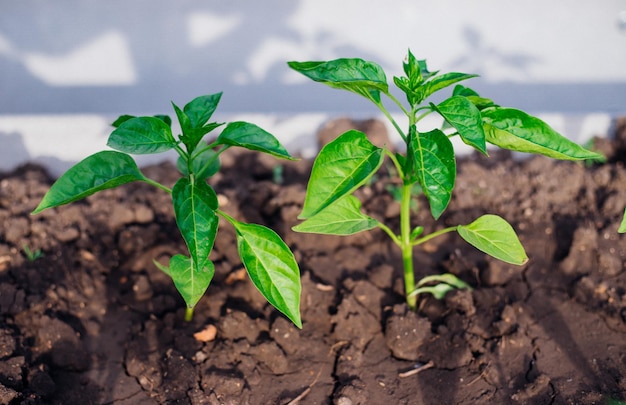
[94,321]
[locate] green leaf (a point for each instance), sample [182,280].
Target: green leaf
[431,156]
[446,282]
[356,75]
[205,165]
[142,135]
[447,278]
[513,129]
[622,227]
[271,267]
[460,113]
[190,283]
[200,109]
[341,167]
[252,137]
[195,115]
[440,82]
[438,291]
[343,217]
[496,237]
[97,172]
[194,207]
[183,120]
[122,119]
[192,137]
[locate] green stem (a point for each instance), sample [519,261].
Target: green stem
[389,232]
[406,246]
[158,185]
[433,235]
[188,314]
[382,108]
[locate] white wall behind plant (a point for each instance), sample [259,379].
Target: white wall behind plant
[67,67]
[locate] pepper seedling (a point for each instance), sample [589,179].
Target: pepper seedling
[267,259]
[348,162]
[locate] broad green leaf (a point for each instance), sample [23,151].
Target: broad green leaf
[480,102]
[190,283]
[123,118]
[431,156]
[440,82]
[200,109]
[271,267]
[343,217]
[165,118]
[622,226]
[205,165]
[341,167]
[356,75]
[460,113]
[142,135]
[496,237]
[103,170]
[252,137]
[194,207]
[513,129]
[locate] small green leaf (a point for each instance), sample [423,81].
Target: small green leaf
[438,291]
[343,217]
[122,119]
[622,227]
[447,278]
[200,109]
[190,283]
[496,237]
[341,167]
[460,113]
[431,156]
[356,75]
[271,267]
[183,120]
[513,129]
[417,231]
[252,137]
[142,135]
[205,165]
[194,207]
[97,172]
[440,82]
[194,117]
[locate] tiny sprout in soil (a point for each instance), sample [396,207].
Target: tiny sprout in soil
[267,259]
[32,255]
[349,161]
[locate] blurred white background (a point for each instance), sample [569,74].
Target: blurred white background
[68,67]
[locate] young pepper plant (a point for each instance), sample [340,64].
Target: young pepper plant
[267,259]
[345,164]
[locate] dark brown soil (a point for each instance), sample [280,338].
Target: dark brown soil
[94,322]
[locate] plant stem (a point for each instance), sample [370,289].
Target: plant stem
[390,118]
[407,246]
[433,235]
[188,314]
[158,185]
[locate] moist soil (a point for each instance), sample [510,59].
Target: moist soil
[93,321]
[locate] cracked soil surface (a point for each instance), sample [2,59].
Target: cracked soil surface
[93,321]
